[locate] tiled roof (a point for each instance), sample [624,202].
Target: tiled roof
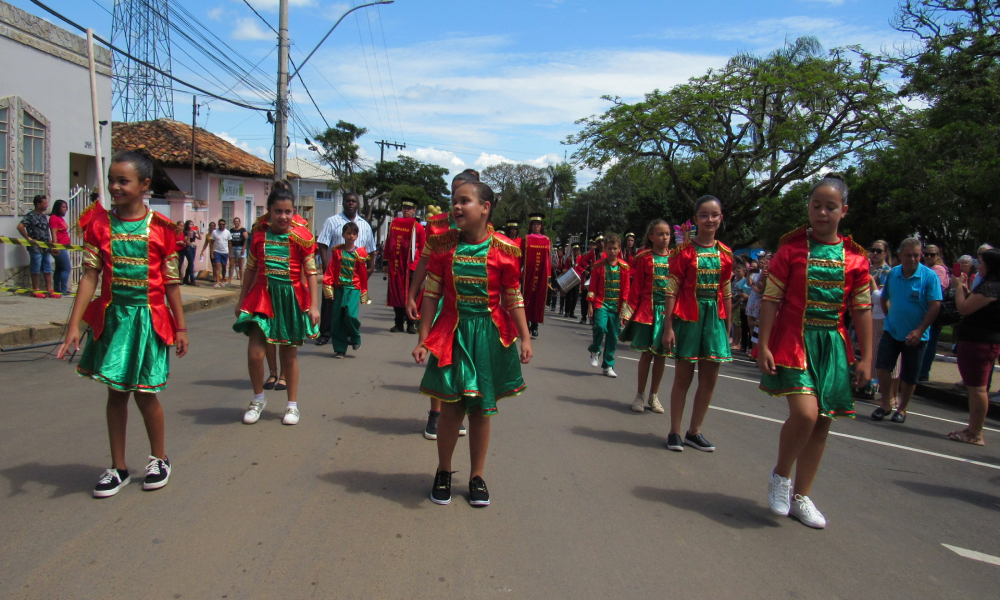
[169,143]
[310,170]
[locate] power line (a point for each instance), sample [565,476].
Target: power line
[348,102]
[372,85]
[250,6]
[378,71]
[387,66]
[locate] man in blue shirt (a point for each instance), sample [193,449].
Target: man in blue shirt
[911,299]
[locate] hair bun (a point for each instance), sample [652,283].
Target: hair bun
[835,175]
[283,185]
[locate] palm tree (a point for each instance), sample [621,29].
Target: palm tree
[561,182]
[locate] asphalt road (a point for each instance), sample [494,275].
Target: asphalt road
[587,502]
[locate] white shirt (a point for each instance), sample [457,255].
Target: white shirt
[220,240]
[332,233]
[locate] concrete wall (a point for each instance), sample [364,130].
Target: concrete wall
[44,71]
[207,186]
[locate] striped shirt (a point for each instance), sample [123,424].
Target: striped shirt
[332,233]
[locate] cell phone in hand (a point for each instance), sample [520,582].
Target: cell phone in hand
[956,269]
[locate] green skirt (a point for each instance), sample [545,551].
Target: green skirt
[128,356]
[643,337]
[290,325]
[826,376]
[481,372]
[704,339]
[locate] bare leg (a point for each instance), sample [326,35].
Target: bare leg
[479,442]
[887,391]
[290,370]
[708,374]
[658,366]
[256,351]
[435,405]
[152,416]
[36,281]
[803,413]
[48,282]
[644,359]
[905,395]
[894,386]
[117,412]
[810,457]
[979,405]
[683,375]
[452,415]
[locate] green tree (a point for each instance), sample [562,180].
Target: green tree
[520,190]
[756,126]
[560,184]
[384,186]
[339,148]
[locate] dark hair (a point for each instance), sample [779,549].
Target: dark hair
[649,229]
[484,193]
[834,180]
[94,196]
[221,221]
[612,238]
[140,162]
[280,190]
[38,199]
[353,195]
[187,225]
[466,176]
[992,259]
[706,199]
[540,231]
[57,205]
[350,226]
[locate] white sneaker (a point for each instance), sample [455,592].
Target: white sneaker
[805,511]
[639,404]
[595,359]
[610,372]
[253,413]
[291,416]
[779,495]
[654,404]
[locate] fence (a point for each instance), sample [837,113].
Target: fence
[78,201]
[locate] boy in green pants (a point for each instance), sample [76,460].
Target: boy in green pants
[609,280]
[346,282]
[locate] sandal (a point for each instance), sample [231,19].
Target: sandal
[280,385]
[966,438]
[271,380]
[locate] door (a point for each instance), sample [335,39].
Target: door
[249,220]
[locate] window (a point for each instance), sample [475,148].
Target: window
[260,211]
[324,195]
[32,158]
[4,140]
[227,211]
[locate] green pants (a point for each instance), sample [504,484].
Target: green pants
[345,328]
[606,325]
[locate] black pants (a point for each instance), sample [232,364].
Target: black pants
[189,253]
[571,297]
[400,315]
[744,331]
[583,305]
[326,317]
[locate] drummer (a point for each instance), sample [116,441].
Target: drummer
[569,263]
[583,267]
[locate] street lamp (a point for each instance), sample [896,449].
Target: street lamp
[308,56]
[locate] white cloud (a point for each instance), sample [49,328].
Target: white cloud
[335,11]
[272,5]
[216,13]
[258,151]
[249,28]
[444,158]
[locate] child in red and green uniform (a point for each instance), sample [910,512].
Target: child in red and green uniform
[609,285]
[346,283]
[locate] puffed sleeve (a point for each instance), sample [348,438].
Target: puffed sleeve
[434,287]
[510,281]
[91,250]
[778,274]
[678,269]
[860,280]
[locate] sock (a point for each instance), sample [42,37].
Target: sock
[435,412]
[259,397]
[293,405]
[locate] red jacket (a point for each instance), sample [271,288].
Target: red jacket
[95,222]
[786,285]
[301,261]
[640,297]
[503,286]
[331,279]
[585,262]
[596,295]
[684,278]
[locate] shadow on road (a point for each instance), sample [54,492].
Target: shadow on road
[384,425]
[573,372]
[941,491]
[614,405]
[632,438]
[731,511]
[396,387]
[219,415]
[66,479]
[409,490]
[242,383]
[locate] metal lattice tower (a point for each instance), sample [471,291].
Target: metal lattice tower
[141,28]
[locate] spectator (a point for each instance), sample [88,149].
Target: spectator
[190,249]
[237,247]
[219,237]
[741,291]
[910,301]
[332,235]
[978,347]
[979,277]
[757,280]
[35,226]
[934,261]
[59,231]
[878,326]
[879,257]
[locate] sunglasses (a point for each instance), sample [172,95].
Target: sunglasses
[930,254]
[876,251]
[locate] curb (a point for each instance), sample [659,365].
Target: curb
[946,393]
[38,334]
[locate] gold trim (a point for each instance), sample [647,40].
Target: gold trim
[130,282]
[172,270]
[823,284]
[709,271]
[823,305]
[823,262]
[92,260]
[476,260]
[473,299]
[128,237]
[821,323]
[283,259]
[130,260]
[283,244]
[309,265]
[277,272]
[472,280]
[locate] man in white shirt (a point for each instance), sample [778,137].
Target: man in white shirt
[331,236]
[220,238]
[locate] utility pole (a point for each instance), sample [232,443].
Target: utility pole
[194,126]
[281,122]
[382,144]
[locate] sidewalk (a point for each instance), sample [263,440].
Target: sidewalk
[941,387]
[25,320]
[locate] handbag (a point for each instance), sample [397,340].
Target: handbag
[948,315]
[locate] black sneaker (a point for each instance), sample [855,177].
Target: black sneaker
[534,331]
[478,494]
[898,417]
[112,481]
[675,442]
[356,346]
[322,340]
[698,442]
[396,329]
[339,354]
[157,473]
[441,492]
[431,431]
[411,328]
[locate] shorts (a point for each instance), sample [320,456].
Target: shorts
[975,360]
[40,260]
[221,258]
[238,251]
[889,351]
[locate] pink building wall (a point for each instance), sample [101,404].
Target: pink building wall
[207,186]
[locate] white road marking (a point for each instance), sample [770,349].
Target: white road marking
[986,558]
[869,440]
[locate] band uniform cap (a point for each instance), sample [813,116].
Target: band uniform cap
[629,234]
[409,204]
[536,217]
[513,224]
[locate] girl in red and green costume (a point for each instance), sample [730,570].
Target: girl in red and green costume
[643,315]
[137,317]
[473,361]
[280,297]
[346,283]
[699,310]
[815,277]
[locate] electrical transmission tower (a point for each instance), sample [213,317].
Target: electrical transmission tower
[141,28]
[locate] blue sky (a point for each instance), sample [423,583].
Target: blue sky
[472,83]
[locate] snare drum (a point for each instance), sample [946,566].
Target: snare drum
[568,280]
